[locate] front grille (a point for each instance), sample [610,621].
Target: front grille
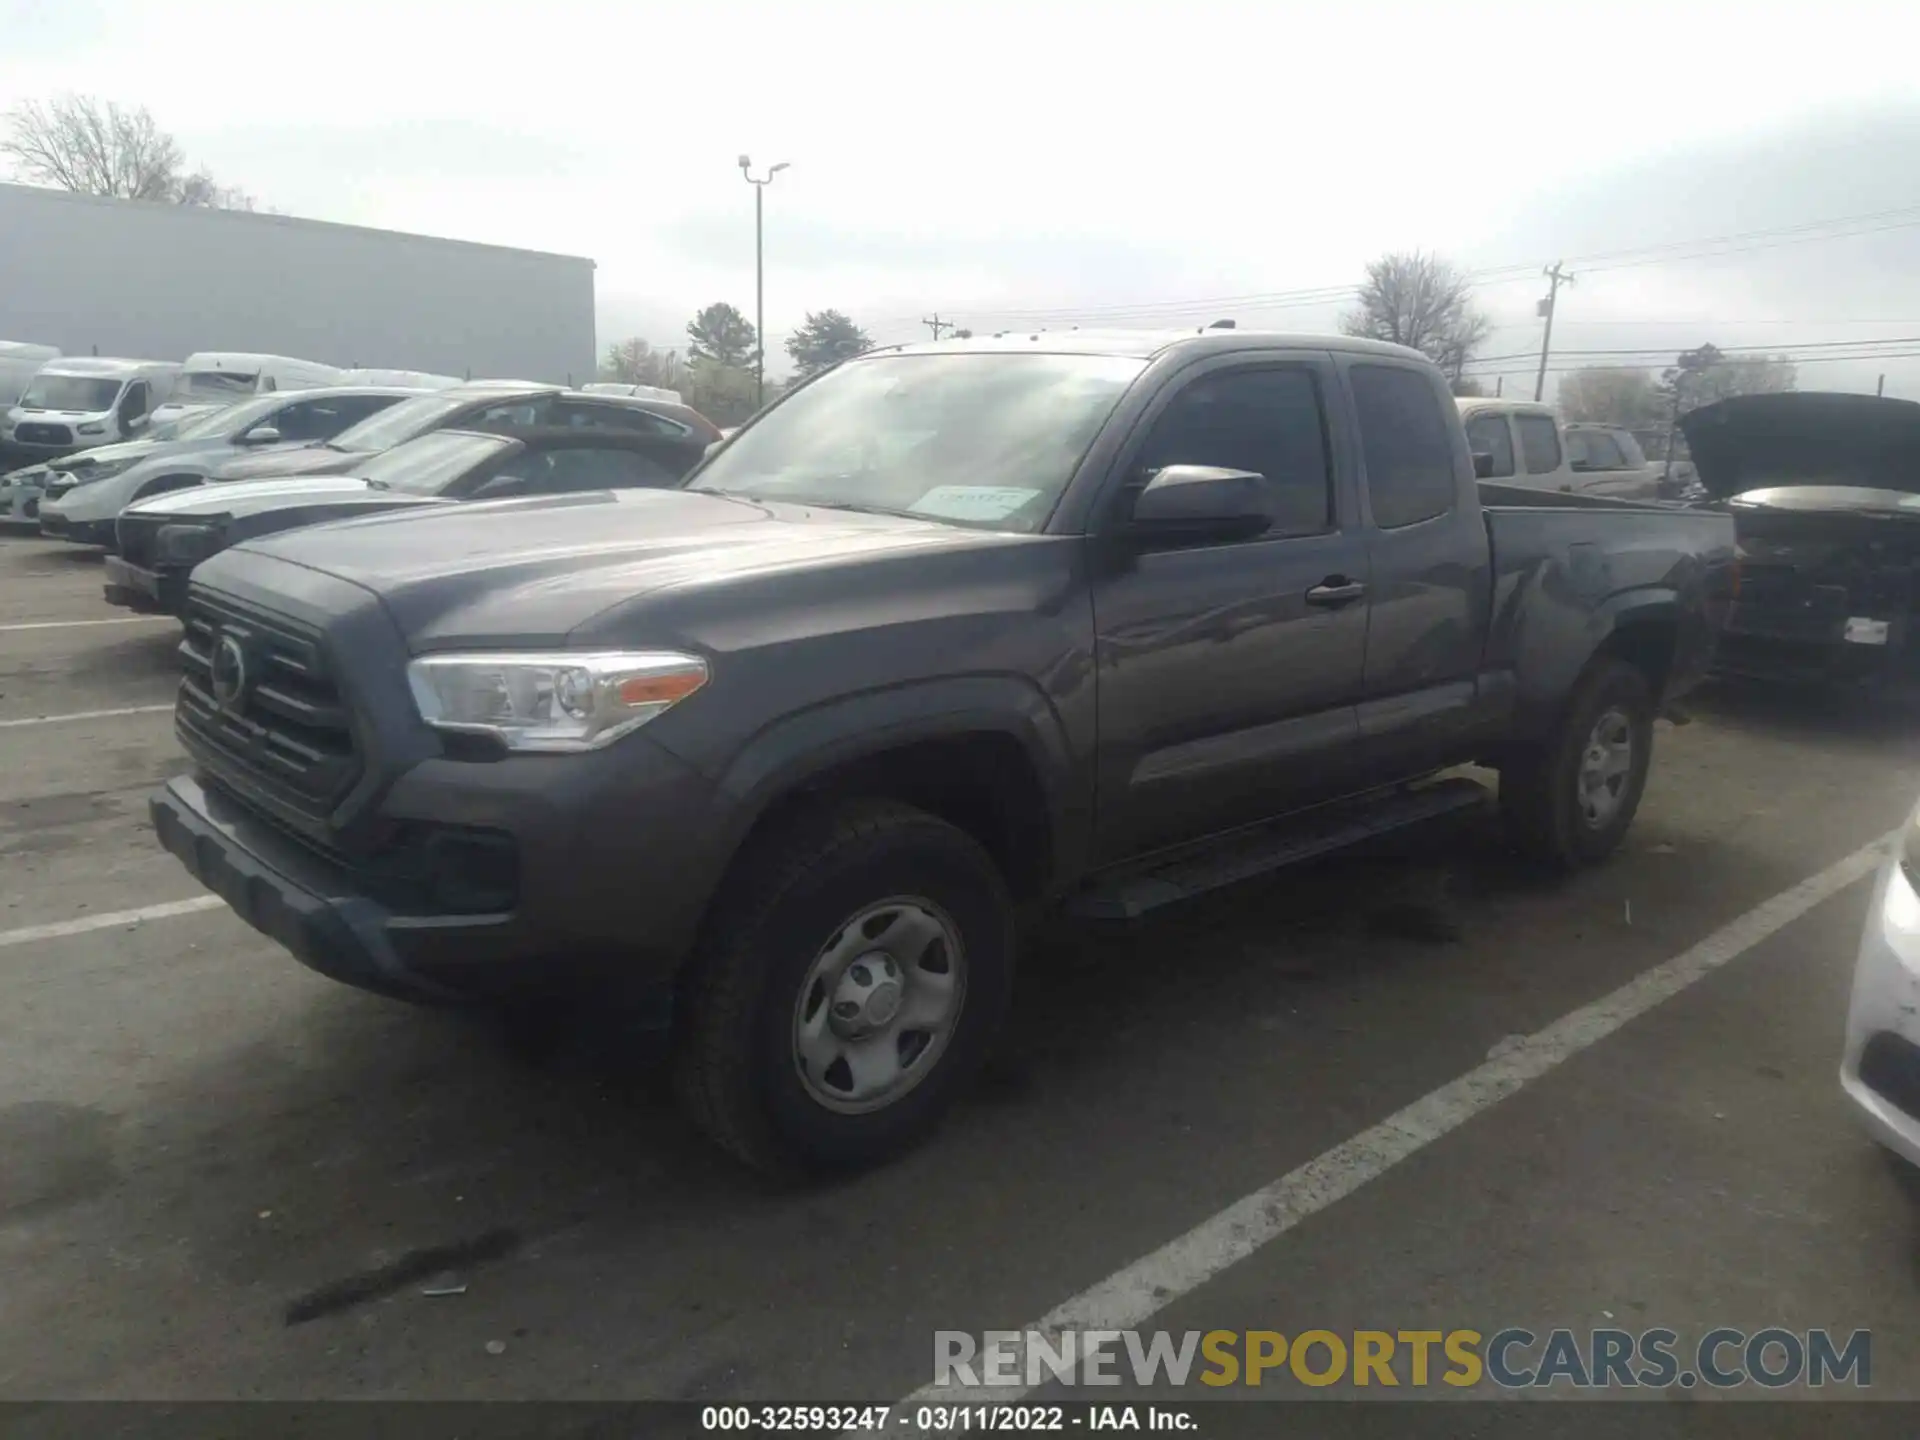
[287,729]
[1784,585]
[136,536]
[38,432]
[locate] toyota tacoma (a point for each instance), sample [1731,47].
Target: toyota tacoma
[948,637]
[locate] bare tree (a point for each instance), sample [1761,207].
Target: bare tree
[1624,396]
[635,362]
[93,147]
[1423,302]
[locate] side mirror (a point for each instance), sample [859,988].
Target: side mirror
[1483,464]
[261,435]
[135,424]
[1197,503]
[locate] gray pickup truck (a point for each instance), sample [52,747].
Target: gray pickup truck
[948,637]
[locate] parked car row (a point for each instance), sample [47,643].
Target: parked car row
[163,504]
[53,405]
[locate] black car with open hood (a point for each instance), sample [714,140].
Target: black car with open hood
[1824,489]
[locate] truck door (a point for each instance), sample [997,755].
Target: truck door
[1432,582]
[1228,673]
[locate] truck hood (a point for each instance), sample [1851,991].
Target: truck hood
[1830,500]
[537,570]
[1805,441]
[296,459]
[247,497]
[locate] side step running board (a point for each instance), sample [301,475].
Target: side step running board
[1132,893]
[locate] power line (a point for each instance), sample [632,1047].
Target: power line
[1733,350]
[1905,217]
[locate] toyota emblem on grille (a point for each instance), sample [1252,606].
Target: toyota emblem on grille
[229,672]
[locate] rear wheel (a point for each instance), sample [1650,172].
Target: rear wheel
[857,970]
[1569,800]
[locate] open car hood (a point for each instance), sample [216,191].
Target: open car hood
[1805,440]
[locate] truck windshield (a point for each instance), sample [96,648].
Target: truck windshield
[86,393]
[198,386]
[974,439]
[428,465]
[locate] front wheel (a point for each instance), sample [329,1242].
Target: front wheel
[855,975]
[1569,800]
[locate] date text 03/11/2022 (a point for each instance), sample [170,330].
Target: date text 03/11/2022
[942,1419]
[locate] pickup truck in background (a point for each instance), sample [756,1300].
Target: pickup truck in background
[1529,447]
[947,637]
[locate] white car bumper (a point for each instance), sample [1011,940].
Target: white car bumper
[1881,1069]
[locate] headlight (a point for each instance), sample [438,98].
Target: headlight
[185,544]
[553,701]
[92,428]
[99,470]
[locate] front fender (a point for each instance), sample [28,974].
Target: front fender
[787,754]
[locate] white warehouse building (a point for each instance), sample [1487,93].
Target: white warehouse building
[155,281]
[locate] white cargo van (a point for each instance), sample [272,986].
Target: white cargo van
[18,361]
[220,377]
[81,401]
[406,379]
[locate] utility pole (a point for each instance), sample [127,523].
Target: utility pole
[759,280]
[1556,277]
[936,324]
[1499,384]
[1881,387]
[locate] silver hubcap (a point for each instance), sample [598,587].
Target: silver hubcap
[1605,768]
[879,1005]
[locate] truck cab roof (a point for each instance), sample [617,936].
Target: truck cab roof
[1150,344]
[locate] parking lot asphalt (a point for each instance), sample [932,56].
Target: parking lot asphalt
[214,1164]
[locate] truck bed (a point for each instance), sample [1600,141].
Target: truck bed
[1564,564]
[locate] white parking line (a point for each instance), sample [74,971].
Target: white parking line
[1127,1298]
[85,715]
[29,933]
[69,624]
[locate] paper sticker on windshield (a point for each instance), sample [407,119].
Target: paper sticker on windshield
[972,502]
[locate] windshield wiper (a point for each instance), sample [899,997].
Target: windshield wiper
[855,506]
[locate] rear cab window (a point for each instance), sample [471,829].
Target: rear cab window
[1405,443]
[1539,443]
[1487,434]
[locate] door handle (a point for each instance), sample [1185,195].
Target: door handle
[1335,591]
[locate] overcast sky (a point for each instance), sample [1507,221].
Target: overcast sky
[1046,163]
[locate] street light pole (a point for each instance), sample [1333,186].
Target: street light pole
[759,278]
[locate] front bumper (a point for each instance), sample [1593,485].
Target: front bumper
[150,592]
[1880,1071]
[610,882]
[1791,644]
[55,525]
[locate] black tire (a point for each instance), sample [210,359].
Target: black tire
[1540,787]
[789,896]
